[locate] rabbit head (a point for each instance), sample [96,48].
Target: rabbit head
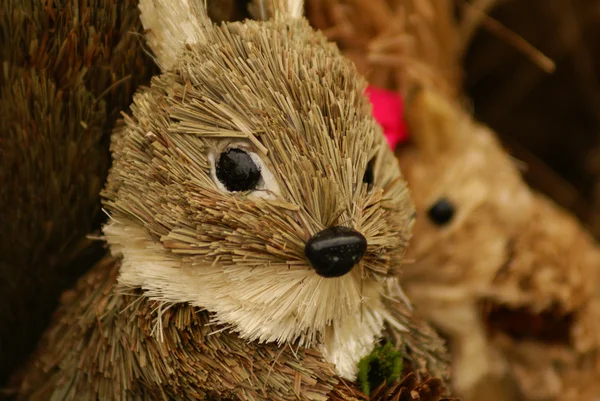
[468,194]
[252,181]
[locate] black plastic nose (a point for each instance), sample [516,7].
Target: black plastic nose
[334,251]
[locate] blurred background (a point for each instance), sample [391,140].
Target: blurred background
[550,121]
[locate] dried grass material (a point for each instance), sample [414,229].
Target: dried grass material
[425,352]
[407,389]
[548,288]
[66,75]
[454,263]
[266,9]
[407,44]
[528,261]
[534,275]
[475,15]
[105,344]
[396,44]
[111,346]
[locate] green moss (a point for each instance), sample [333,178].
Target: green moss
[384,363]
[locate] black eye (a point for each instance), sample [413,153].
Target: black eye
[237,171]
[441,212]
[368,178]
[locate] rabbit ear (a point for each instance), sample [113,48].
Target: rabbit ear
[436,125]
[267,9]
[171,24]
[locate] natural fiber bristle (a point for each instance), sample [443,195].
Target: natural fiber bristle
[407,389]
[396,44]
[68,69]
[107,344]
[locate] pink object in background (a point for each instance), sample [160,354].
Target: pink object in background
[388,110]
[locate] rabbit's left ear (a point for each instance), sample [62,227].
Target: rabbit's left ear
[436,125]
[171,24]
[267,9]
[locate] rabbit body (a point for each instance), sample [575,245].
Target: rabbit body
[108,345]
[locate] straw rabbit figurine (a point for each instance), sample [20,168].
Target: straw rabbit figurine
[257,220]
[509,277]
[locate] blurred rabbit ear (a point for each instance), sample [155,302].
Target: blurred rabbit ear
[171,24]
[267,9]
[436,125]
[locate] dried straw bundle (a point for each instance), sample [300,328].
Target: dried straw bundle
[114,346]
[69,68]
[396,44]
[408,389]
[124,346]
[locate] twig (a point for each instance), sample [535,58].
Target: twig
[520,44]
[474,15]
[477,16]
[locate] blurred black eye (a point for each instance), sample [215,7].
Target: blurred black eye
[441,212]
[368,178]
[237,171]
